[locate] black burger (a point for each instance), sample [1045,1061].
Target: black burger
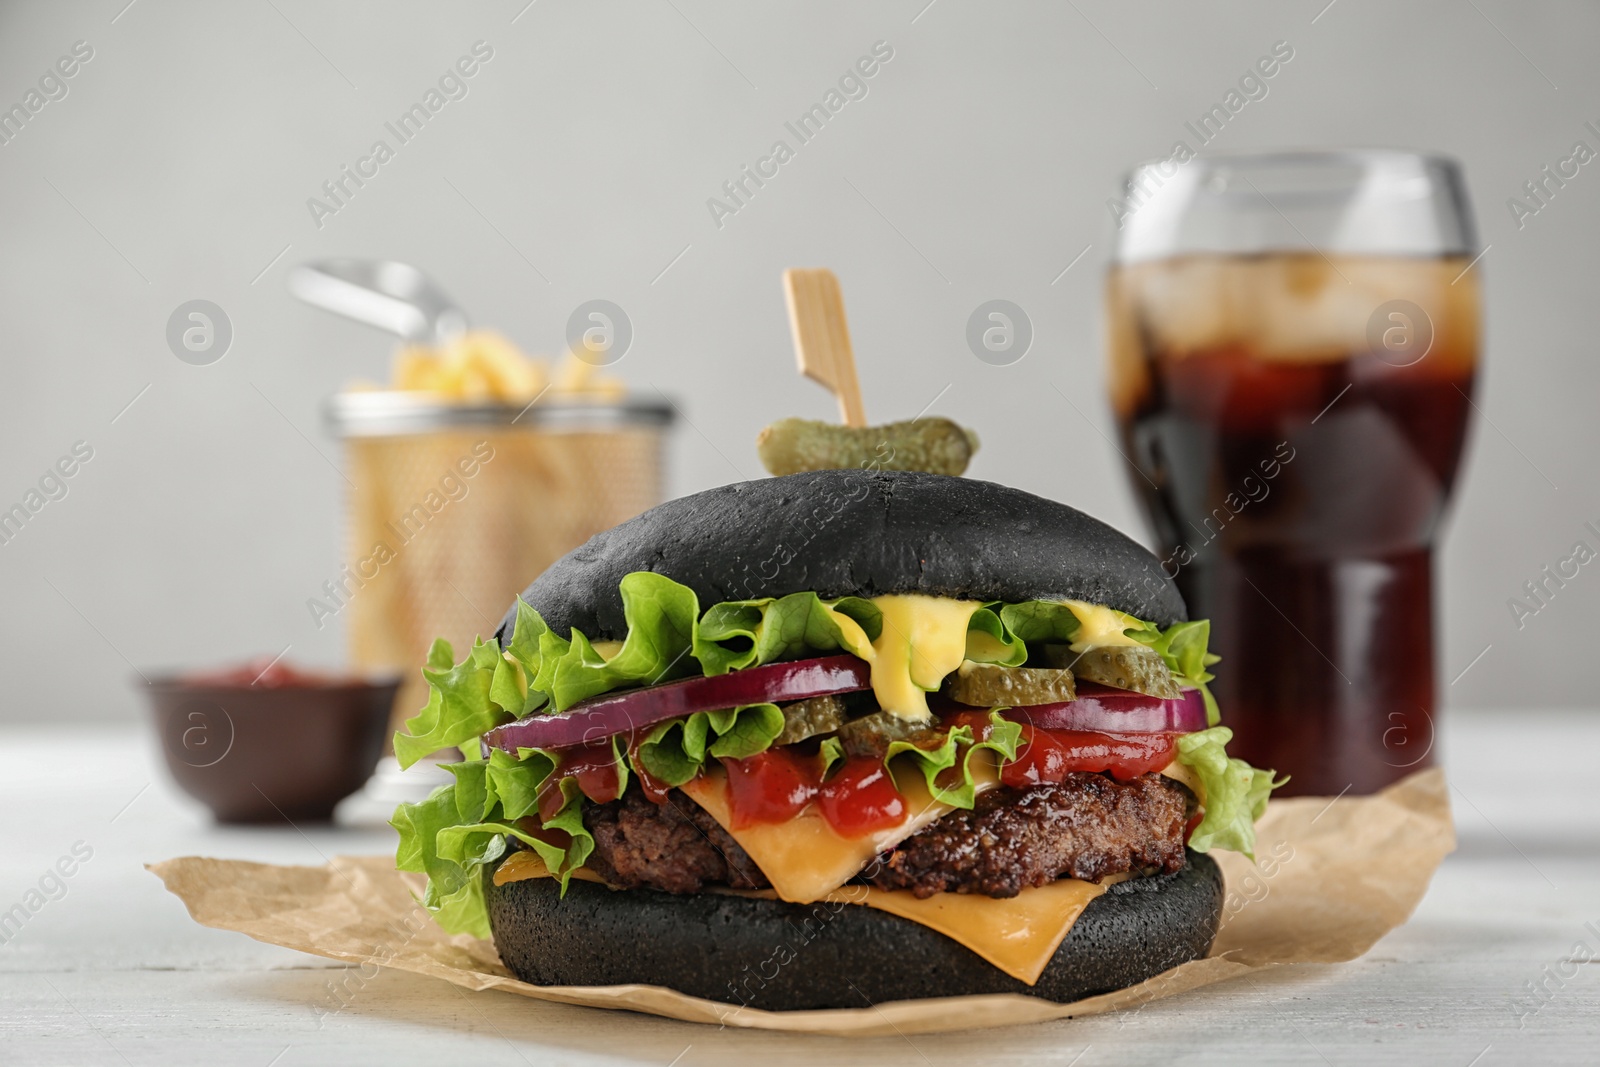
[833,739]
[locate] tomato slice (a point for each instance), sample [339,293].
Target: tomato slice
[1048,756]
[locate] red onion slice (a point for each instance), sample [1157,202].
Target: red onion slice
[1105,709]
[603,716]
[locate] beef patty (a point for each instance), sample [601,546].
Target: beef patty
[1088,827]
[676,847]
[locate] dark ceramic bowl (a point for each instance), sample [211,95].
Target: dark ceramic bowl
[284,753]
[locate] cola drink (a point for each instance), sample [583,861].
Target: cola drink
[1294,423]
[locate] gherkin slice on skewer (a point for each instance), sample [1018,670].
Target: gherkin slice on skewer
[931,444]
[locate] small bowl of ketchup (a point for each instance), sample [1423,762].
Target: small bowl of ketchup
[264,742]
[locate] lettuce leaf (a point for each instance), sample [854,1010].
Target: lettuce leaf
[742,732]
[463,828]
[460,706]
[933,762]
[515,780]
[830,752]
[989,640]
[520,664]
[676,750]
[455,882]
[748,633]
[453,864]
[1236,793]
[661,617]
[1039,621]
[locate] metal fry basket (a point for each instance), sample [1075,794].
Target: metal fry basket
[454,508]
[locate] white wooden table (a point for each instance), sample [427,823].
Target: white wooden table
[113,971]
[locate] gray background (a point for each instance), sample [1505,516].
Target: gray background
[179,164]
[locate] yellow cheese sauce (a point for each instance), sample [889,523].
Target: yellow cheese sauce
[1100,625]
[855,638]
[924,638]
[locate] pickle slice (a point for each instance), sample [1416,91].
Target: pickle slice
[986,685]
[931,443]
[1133,667]
[871,735]
[807,718]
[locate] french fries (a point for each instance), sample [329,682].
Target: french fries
[483,367]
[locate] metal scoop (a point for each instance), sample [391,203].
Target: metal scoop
[392,296]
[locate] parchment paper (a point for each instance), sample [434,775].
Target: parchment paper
[1332,876]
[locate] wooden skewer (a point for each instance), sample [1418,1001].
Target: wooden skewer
[822,337]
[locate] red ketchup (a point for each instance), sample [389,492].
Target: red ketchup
[264,672]
[776,785]
[861,798]
[978,720]
[593,767]
[654,789]
[1048,756]
[771,786]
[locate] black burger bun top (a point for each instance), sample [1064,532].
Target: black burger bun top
[856,533]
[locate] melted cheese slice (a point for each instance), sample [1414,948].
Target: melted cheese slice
[923,639]
[1179,772]
[804,858]
[1018,935]
[524,863]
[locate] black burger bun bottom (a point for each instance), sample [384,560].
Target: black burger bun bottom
[856,533]
[786,957]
